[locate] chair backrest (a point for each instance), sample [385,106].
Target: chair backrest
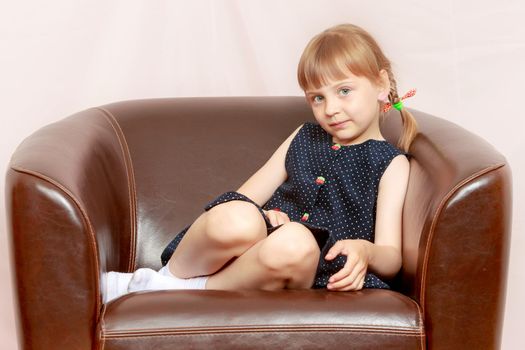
[184,152]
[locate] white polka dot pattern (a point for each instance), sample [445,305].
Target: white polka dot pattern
[345,202]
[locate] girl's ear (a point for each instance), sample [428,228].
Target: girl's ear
[383,96]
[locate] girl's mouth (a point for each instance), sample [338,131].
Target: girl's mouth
[339,125]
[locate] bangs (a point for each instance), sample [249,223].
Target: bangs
[331,57]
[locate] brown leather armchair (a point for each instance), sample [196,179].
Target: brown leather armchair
[107,188]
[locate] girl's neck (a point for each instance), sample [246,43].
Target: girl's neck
[360,139]
[353,143]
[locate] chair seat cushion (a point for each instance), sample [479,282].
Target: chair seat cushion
[291,319]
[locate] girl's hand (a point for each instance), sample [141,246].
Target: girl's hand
[276,217]
[352,275]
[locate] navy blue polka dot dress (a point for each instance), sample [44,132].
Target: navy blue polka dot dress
[331,189]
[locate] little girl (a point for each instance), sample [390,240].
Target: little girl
[325,210]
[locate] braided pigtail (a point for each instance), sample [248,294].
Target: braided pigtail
[409,122]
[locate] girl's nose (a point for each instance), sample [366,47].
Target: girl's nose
[332,106]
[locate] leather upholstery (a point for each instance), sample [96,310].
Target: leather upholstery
[107,188]
[242,319]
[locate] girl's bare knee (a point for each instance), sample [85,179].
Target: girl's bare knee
[289,249]
[235,223]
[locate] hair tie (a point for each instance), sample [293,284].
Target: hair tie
[399,104]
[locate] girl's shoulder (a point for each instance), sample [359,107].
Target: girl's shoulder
[384,155]
[383,151]
[390,148]
[312,129]
[311,134]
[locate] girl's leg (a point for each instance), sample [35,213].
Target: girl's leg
[287,258]
[224,232]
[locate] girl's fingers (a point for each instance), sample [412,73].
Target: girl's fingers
[334,251]
[358,270]
[282,217]
[343,284]
[348,284]
[361,285]
[268,215]
[358,282]
[271,217]
[349,275]
[340,279]
[276,217]
[341,274]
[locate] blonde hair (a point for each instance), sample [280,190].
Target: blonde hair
[347,47]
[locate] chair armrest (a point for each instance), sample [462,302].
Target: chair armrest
[456,234]
[464,272]
[70,217]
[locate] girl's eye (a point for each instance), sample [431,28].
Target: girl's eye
[317,99]
[344,91]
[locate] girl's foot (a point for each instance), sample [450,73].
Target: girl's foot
[116,285]
[148,279]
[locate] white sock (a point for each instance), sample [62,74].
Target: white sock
[148,279]
[116,285]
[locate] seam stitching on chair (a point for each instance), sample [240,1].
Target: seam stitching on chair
[268,330]
[439,210]
[102,338]
[423,339]
[131,183]
[85,219]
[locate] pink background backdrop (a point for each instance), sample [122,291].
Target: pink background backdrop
[59,57]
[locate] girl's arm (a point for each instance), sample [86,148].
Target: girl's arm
[261,185]
[385,253]
[383,257]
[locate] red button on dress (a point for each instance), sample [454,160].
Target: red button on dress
[305,217]
[320,180]
[336,147]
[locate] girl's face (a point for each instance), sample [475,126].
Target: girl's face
[348,109]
